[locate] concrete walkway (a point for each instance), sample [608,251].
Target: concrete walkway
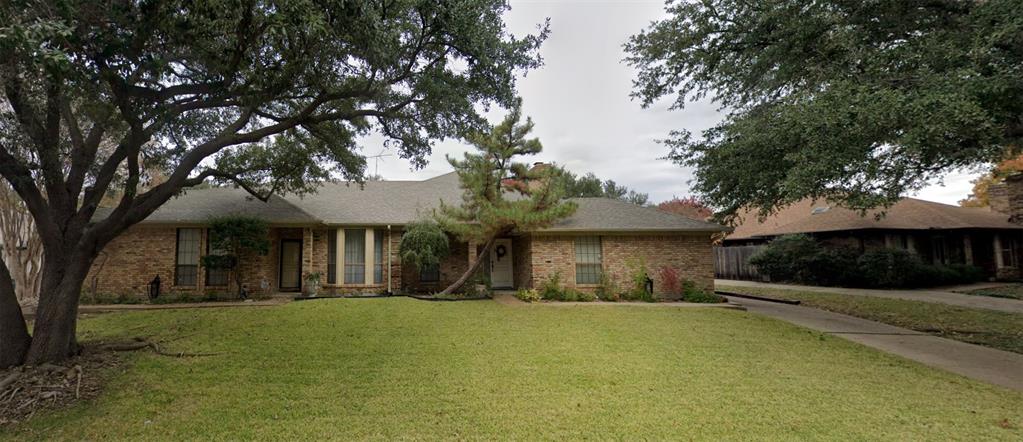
[982,363]
[936,296]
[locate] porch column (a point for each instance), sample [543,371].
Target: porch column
[307,255]
[472,252]
[998,251]
[370,245]
[339,260]
[968,249]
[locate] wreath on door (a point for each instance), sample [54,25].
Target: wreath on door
[501,250]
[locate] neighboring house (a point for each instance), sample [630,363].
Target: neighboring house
[939,233]
[350,235]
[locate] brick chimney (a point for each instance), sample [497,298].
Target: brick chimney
[1007,197]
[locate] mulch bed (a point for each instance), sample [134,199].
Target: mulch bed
[27,390]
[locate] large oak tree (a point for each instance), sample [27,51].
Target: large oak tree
[854,100]
[269,95]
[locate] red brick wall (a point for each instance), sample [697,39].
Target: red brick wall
[451,268]
[690,255]
[132,260]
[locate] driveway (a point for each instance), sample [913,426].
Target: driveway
[982,363]
[937,296]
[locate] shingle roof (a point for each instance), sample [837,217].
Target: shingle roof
[379,202]
[807,216]
[399,202]
[605,214]
[199,205]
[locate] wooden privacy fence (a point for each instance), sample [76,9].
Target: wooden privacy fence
[733,262]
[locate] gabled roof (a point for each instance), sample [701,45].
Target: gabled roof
[808,216]
[400,202]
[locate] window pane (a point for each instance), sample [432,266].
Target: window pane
[355,256]
[587,260]
[332,256]
[187,257]
[429,274]
[214,276]
[378,256]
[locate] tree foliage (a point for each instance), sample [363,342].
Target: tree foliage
[501,195]
[270,96]
[590,185]
[979,195]
[689,207]
[423,244]
[857,101]
[234,239]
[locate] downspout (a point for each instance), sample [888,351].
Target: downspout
[389,292]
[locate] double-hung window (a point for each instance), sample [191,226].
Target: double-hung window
[587,260]
[214,276]
[355,256]
[378,256]
[429,273]
[186,259]
[332,256]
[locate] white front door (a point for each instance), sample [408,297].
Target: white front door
[501,264]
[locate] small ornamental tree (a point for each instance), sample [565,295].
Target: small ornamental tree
[234,239]
[424,244]
[689,207]
[490,175]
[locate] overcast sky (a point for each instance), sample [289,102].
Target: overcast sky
[580,103]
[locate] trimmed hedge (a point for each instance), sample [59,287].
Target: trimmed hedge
[801,259]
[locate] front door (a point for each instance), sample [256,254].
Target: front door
[501,264]
[291,265]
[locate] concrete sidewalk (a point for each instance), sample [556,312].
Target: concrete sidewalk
[936,296]
[982,363]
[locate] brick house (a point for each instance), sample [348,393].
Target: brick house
[350,235]
[941,234]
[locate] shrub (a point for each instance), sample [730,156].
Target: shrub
[585,296]
[692,293]
[607,290]
[671,282]
[551,288]
[829,266]
[784,257]
[528,295]
[638,277]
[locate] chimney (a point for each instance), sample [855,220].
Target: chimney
[1007,198]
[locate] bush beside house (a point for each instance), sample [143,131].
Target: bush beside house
[801,259]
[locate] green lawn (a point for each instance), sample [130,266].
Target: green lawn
[1012,291]
[408,369]
[991,328]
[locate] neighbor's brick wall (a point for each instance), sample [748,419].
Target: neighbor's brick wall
[691,255]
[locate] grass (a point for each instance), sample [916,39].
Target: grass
[1014,291]
[1001,330]
[400,368]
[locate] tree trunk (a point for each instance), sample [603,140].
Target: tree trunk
[472,269]
[53,337]
[14,338]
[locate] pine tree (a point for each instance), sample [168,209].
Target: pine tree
[500,195]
